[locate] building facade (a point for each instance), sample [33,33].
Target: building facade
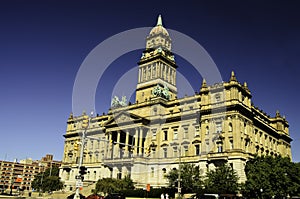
[158,132]
[18,176]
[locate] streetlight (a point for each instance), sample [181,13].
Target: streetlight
[85,125]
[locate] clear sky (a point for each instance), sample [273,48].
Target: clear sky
[43,43]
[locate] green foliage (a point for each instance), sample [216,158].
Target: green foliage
[45,182]
[191,180]
[222,180]
[111,185]
[269,176]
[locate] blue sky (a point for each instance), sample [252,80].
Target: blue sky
[43,43]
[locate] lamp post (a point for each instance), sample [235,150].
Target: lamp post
[85,125]
[179,172]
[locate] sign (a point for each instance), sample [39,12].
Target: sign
[148,187]
[19,178]
[179,190]
[79,184]
[78,177]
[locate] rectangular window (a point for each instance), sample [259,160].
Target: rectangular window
[185,132]
[220,148]
[218,97]
[175,134]
[165,134]
[165,153]
[197,130]
[197,149]
[153,134]
[186,151]
[231,144]
[152,171]
[175,152]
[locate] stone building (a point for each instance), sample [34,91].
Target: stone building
[148,138]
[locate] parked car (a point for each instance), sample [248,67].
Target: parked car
[115,196]
[72,196]
[95,196]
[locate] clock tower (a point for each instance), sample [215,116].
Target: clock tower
[157,67]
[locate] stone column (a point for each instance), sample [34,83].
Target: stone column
[110,147]
[127,143]
[136,136]
[169,74]
[141,142]
[151,71]
[140,76]
[117,146]
[174,77]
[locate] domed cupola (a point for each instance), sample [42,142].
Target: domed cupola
[157,67]
[159,37]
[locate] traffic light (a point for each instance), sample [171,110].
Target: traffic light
[82,170]
[85,121]
[76,146]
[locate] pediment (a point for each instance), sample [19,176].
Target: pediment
[124,118]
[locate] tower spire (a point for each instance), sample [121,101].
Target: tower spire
[159,21]
[232,78]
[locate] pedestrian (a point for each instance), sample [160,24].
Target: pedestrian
[162,196]
[167,196]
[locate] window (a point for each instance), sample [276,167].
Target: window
[175,134]
[154,134]
[197,149]
[165,153]
[197,129]
[165,134]
[220,148]
[97,157]
[230,127]
[95,175]
[153,71]
[206,130]
[185,133]
[231,143]
[175,152]
[218,97]
[186,151]
[219,127]
[152,171]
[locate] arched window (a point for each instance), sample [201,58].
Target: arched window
[207,130]
[230,127]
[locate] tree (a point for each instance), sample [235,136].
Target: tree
[111,185]
[191,180]
[223,179]
[48,180]
[269,176]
